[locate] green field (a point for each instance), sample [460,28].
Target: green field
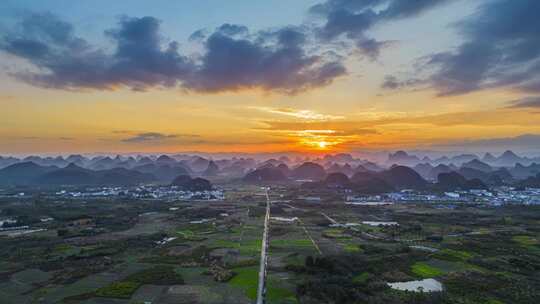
[124,261]
[246,278]
[424,270]
[453,255]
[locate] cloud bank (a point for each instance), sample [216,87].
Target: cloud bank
[501,48]
[286,60]
[351,20]
[527,102]
[233,58]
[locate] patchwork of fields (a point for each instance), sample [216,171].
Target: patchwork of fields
[208,252]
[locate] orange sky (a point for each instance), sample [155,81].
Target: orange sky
[51,121]
[349,112]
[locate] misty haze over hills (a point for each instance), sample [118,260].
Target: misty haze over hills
[400,170]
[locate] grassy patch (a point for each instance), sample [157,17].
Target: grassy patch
[226,244]
[196,256]
[65,250]
[450,266]
[361,278]
[453,255]
[295,259]
[97,252]
[121,290]
[246,247]
[252,247]
[246,278]
[352,248]
[160,275]
[525,240]
[243,263]
[424,270]
[291,243]
[280,295]
[189,235]
[335,234]
[196,232]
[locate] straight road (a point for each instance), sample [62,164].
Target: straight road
[261,289]
[333,221]
[309,236]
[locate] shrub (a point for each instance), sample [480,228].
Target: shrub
[160,275]
[122,290]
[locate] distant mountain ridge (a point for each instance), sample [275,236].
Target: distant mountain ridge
[310,171]
[506,159]
[505,168]
[454,181]
[29,173]
[185,182]
[266,174]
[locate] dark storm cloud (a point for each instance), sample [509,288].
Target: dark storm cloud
[352,19]
[233,58]
[283,65]
[527,102]
[69,62]
[275,60]
[501,49]
[463,71]
[140,61]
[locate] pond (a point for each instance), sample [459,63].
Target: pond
[427,285]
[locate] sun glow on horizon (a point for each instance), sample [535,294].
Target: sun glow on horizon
[319,139]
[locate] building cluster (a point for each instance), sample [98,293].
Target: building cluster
[496,197]
[169,193]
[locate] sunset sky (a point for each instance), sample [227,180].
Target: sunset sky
[268,76]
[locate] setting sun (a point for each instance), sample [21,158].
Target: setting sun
[319,144]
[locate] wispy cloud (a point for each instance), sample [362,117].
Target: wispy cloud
[527,102]
[500,49]
[500,117]
[302,114]
[350,21]
[156,137]
[233,58]
[124,132]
